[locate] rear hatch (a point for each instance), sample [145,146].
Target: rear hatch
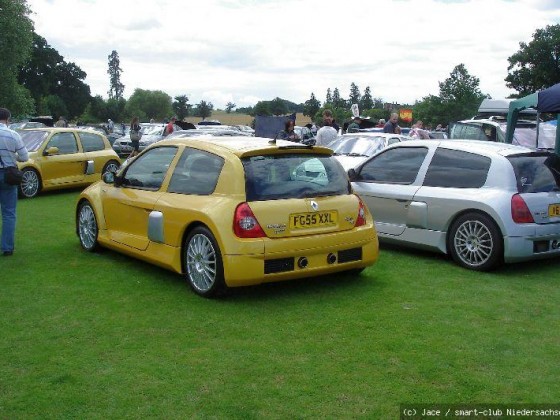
[538,183]
[299,194]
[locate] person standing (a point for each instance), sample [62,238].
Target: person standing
[327,133]
[288,133]
[392,126]
[169,127]
[12,150]
[354,126]
[135,136]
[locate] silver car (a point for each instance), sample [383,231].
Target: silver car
[481,202]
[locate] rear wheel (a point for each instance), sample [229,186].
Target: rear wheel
[475,242]
[202,259]
[30,183]
[87,227]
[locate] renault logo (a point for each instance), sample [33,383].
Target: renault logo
[314,205]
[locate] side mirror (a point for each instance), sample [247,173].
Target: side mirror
[353,175]
[51,151]
[108,177]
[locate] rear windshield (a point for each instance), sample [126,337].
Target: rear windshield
[293,176]
[536,172]
[33,139]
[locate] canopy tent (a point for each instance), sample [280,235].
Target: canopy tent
[547,100]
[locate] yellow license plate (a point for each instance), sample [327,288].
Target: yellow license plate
[554,210]
[316,219]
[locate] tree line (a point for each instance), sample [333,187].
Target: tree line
[36,80]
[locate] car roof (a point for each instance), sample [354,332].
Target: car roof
[243,145]
[472,146]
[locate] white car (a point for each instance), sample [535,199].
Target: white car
[352,149]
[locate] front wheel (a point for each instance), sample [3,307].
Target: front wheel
[30,183]
[202,259]
[475,242]
[86,225]
[111,166]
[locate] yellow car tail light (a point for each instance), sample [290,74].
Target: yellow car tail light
[245,224]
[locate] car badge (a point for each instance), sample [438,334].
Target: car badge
[314,205]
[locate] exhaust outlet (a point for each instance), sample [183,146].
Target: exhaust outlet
[331,258]
[302,262]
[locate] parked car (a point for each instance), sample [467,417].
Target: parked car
[151,133]
[351,149]
[230,212]
[64,158]
[481,202]
[494,129]
[24,125]
[215,132]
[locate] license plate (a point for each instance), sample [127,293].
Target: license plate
[554,210]
[316,219]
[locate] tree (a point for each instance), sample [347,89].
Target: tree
[354,95]
[329,98]
[262,108]
[46,73]
[181,107]
[116,88]
[311,106]
[366,102]
[204,109]
[147,104]
[16,42]
[230,106]
[459,98]
[278,106]
[337,101]
[536,65]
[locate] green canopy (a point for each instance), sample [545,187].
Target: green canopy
[547,100]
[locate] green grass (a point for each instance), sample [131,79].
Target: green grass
[106,336]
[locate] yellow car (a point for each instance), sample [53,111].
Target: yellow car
[64,158]
[230,212]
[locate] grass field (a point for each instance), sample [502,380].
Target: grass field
[106,336]
[234,118]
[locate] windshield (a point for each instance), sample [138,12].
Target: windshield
[293,176]
[363,146]
[33,139]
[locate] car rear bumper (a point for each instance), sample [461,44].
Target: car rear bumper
[318,256]
[544,242]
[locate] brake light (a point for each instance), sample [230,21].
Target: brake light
[519,211]
[361,219]
[245,223]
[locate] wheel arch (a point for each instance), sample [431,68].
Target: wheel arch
[467,211]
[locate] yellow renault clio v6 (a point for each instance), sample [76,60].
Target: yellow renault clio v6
[64,158]
[230,212]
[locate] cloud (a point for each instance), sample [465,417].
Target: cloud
[247,50]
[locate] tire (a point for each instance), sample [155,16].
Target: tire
[30,184]
[110,166]
[86,227]
[475,242]
[203,265]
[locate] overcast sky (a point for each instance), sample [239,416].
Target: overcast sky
[245,51]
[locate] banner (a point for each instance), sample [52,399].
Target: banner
[405,115]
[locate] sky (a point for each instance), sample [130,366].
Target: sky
[246,51]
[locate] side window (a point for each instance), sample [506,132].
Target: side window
[65,142]
[91,142]
[457,169]
[149,170]
[196,172]
[395,166]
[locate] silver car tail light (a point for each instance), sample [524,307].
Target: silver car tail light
[520,213]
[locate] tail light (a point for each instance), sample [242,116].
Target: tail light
[519,211]
[245,224]
[361,219]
